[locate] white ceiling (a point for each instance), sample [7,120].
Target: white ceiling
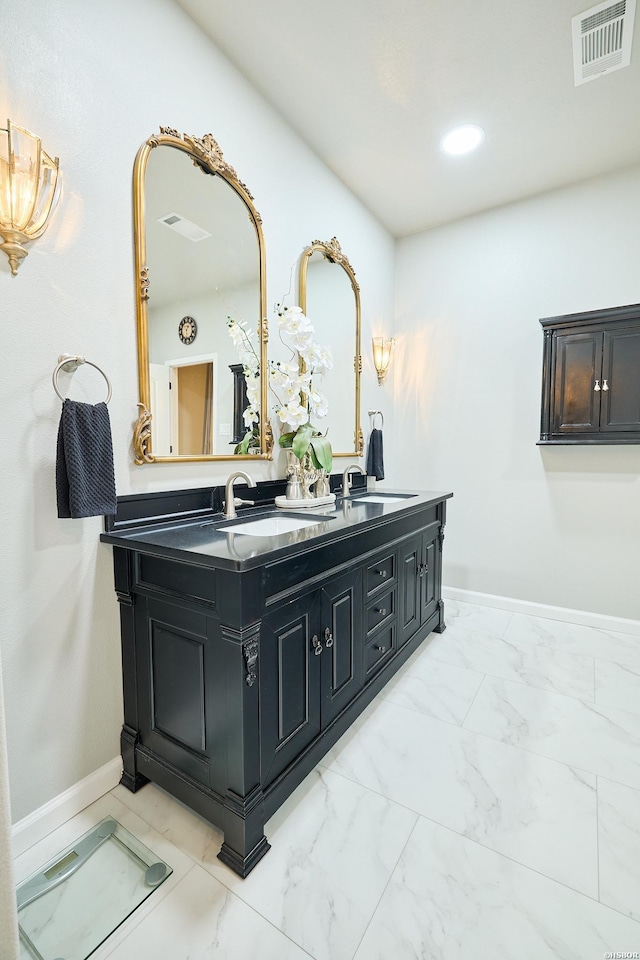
[372,85]
[179,268]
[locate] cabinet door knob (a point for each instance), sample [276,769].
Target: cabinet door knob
[328,638]
[381,649]
[317,645]
[605,385]
[381,573]
[597,386]
[382,611]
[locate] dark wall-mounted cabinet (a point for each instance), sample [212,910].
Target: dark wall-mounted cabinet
[591,377]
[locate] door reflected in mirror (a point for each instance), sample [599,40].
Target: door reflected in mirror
[330,297]
[201,260]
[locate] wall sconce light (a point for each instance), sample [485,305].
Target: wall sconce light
[382,350]
[29,190]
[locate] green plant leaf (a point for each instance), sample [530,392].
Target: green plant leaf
[243,446]
[286,440]
[314,460]
[322,453]
[302,439]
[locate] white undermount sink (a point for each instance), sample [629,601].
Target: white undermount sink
[270,526]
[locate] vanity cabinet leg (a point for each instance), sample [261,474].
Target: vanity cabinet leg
[441,625]
[130,779]
[124,576]
[244,841]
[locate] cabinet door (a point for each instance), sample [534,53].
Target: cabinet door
[409,588]
[576,404]
[289,683]
[621,374]
[418,581]
[342,640]
[428,575]
[178,686]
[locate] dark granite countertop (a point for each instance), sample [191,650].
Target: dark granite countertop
[211,540]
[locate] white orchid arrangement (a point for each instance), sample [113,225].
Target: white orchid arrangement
[251,369]
[292,384]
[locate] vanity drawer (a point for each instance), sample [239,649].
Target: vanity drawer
[380,610]
[380,573]
[379,650]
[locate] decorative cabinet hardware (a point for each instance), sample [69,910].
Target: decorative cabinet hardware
[423,569]
[381,648]
[382,611]
[590,382]
[317,645]
[381,573]
[328,638]
[250,651]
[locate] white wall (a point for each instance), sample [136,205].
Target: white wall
[210,313]
[558,525]
[94,80]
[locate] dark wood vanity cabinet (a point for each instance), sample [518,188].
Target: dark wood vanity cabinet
[591,377]
[237,681]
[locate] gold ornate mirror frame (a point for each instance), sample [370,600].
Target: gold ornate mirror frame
[332,251]
[207,155]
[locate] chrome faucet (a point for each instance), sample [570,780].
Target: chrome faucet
[346,480]
[229,499]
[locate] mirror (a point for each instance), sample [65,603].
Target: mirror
[200,260]
[330,296]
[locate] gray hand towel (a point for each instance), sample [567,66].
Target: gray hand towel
[85,484]
[375,459]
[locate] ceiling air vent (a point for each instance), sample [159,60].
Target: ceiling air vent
[184,227]
[602,39]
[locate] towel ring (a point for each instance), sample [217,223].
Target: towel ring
[67,361]
[373,414]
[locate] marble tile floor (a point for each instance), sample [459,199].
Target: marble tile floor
[486,806]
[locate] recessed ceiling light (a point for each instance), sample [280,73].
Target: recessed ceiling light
[462,139]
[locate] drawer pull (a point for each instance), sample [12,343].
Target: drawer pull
[317,645]
[605,385]
[382,611]
[597,386]
[328,638]
[381,573]
[381,649]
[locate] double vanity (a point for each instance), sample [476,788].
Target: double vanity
[250,642]
[250,645]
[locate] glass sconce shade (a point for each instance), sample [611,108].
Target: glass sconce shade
[29,190]
[382,350]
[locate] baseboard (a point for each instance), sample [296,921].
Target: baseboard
[53,814]
[599,620]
